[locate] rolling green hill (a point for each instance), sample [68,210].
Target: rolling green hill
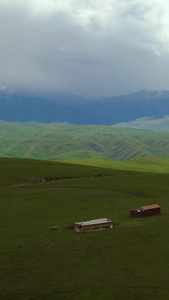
[65,141]
[129,261]
[146,164]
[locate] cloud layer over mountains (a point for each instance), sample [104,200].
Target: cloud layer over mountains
[92,48]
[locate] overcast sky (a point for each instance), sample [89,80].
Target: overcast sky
[87,47]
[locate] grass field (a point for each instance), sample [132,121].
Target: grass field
[129,261]
[146,164]
[67,141]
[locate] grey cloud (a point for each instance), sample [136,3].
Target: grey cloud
[53,52]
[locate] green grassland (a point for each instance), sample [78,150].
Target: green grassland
[66,141]
[141,164]
[130,261]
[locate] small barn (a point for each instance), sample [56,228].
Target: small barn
[145,211]
[93,224]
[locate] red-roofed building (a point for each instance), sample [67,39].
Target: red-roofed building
[145,211]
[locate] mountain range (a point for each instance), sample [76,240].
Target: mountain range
[25,106]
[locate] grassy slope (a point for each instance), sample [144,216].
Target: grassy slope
[39,263]
[65,141]
[146,164]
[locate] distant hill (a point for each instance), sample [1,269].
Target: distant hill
[66,141]
[140,164]
[16,107]
[23,106]
[148,123]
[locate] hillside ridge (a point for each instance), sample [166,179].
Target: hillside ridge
[22,106]
[65,141]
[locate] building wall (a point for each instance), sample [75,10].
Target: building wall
[152,212]
[94,226]
[145,213]
[135,214]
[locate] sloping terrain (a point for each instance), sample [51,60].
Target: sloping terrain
[17,106]
[140,164]
[161,125]
[65,141]
[129,261]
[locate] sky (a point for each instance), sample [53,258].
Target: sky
[90,48]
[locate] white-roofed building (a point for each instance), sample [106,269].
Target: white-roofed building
[93,224]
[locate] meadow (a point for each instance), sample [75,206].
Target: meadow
[141,164]
[67,141]
[129,261]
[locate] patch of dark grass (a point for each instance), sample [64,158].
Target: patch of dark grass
[129,261]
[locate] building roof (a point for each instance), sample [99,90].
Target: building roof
[93,222]
[150,207]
